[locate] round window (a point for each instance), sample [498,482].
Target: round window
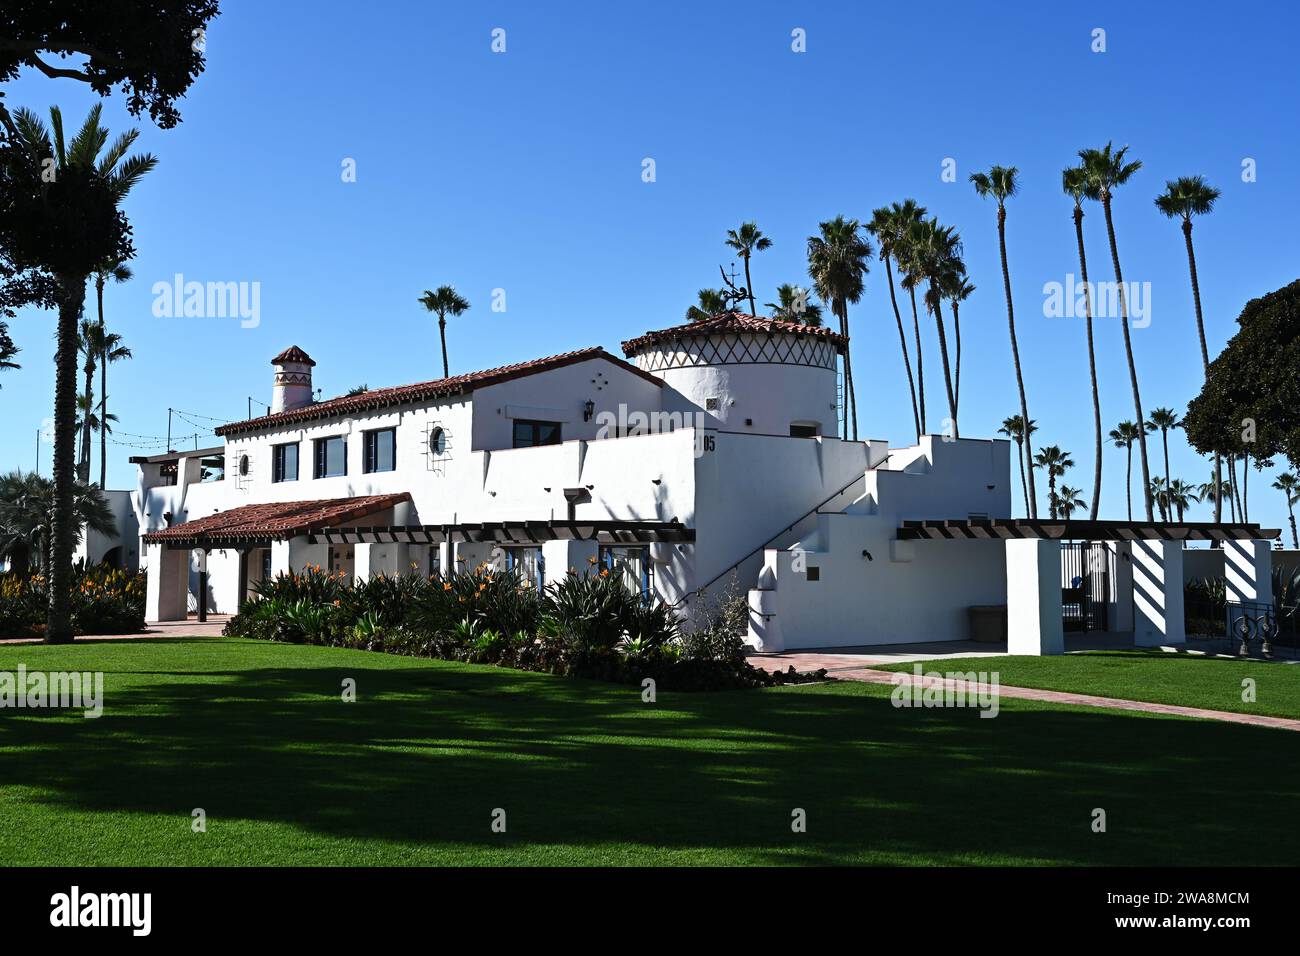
[243,466]
[438,441]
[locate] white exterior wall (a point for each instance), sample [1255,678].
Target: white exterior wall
[762,399]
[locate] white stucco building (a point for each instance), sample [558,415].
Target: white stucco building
[708,452]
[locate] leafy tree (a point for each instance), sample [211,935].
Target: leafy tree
[747,240]
[27,517]
[1217,489]
[1184,198]
[1107,170]
[1074,181]
[885,226]
[446,301]
[1251,397]
[793,304]
[8,351]
[1000,183]
[837,263]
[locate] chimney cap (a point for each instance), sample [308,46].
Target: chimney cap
[293,354]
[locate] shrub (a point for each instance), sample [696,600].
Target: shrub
[104,600]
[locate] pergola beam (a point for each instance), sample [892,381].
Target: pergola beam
[1069,530]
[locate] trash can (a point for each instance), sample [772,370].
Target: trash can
[988,623]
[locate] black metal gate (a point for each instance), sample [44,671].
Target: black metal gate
[1085,585]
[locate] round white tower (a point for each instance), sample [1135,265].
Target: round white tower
[755,375]
[292,380]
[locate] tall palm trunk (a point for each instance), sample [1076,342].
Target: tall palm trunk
[848,366]
[1232,487]
[103,389]
[1295,540]
[1205,352]
[943,357]
[902,344]
[956,370]
[749,287]
[1245,486]
[442,334]
[1015,357]
[83,458]
[1132,367]
[1092,369]
[920,363]
[1128,479]
[1164,440]
[63,529]
[1024,484]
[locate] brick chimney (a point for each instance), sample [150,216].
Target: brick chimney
[292,380]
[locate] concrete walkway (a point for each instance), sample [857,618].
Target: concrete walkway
[853,667]
[191,628]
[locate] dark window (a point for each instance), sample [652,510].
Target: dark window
[803,431]
[631,563]
[435,560]
[266,564]
[530,433]
[814,574]
[331,457]
[380,450]
[527,564]
[284,462]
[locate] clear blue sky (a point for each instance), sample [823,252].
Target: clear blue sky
[522,171]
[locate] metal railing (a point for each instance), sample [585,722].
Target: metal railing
[1249,623]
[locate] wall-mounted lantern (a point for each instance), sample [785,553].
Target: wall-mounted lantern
[588,409]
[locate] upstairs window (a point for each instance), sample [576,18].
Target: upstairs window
[331,457]
[284,462]
[530,433]
[380,450]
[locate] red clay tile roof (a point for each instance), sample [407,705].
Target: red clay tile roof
[423,391]
[293,354]
[733,322]
[282,519]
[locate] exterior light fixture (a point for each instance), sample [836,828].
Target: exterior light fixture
[588,409]
[867,554]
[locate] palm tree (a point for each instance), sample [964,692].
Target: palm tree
[92,421]
[711,303]
[1289,485]
[1164,419]
[1261,464]
[1216,488]
[884,226]
[1014,429]
[446,301]
[89,349]
[837,263]
[1068,501]
[1056,463]
[794,305]
[1186,197]
[116,173]
[111,350]
[1160,493]
[904,215]
[934,254]
[27,517]
[1106,171]
[957,288]
[1180,494]
[747,240]
[1075,183]
[1000,183]
[1123,436]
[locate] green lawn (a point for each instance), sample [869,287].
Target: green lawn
[256,735]
[1190,680]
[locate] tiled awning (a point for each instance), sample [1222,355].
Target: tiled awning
[611,531]
[261,523]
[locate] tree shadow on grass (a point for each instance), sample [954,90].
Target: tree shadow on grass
[428,750]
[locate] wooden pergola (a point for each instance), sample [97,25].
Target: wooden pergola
[1083,530]
[512,532]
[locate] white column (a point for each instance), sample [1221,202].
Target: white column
[1033,597]
[166,584]
[280,558]
[560,556]
[1158,593]
[387,558]
[1248,571]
